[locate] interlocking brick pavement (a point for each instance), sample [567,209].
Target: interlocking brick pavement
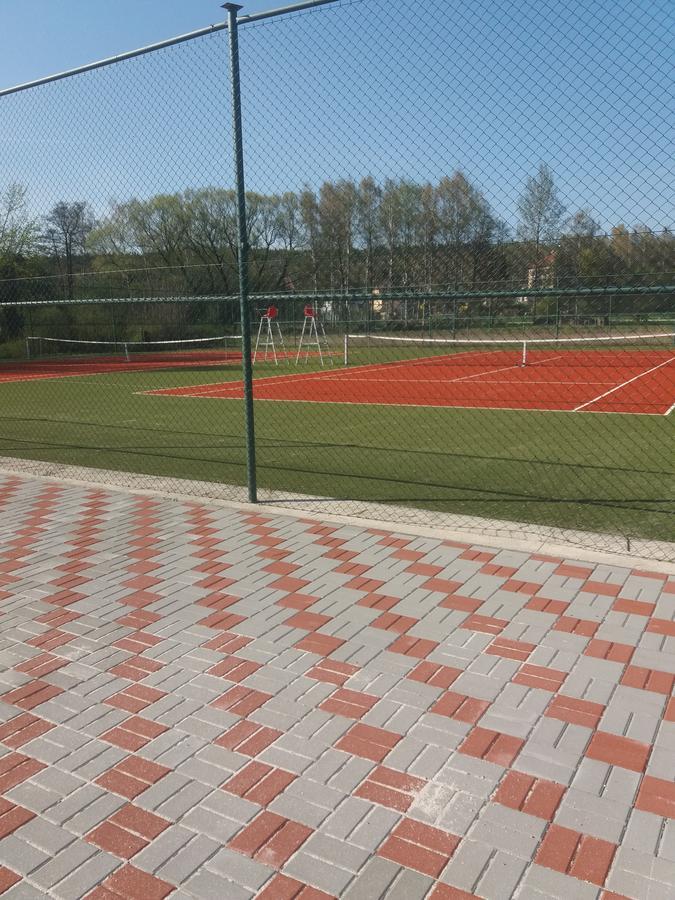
[207,702]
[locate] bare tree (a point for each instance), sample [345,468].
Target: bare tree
[309,214]
[337,215]
[541,212]
[68,226]
[368,225]
[466,226]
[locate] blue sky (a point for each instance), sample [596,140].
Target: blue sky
[39,37]
[348,90]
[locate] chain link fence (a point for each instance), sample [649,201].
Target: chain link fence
[459,252]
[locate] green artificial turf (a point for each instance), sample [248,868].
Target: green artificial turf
[606,473]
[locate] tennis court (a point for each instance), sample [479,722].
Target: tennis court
[28,370]
[633,377]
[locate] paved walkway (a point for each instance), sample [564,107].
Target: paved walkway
[199,702]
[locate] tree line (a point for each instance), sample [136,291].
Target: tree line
[347,236]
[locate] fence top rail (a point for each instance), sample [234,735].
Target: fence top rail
[333,297]
[160,45]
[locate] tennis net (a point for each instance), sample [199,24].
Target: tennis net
[189,351]
[595,350]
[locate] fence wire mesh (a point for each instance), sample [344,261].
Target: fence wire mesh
[462,267]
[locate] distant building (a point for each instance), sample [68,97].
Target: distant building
[540,275]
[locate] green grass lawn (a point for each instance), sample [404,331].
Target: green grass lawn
[613,473]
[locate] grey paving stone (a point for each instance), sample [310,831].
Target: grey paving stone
[633,884]
[470,775]
[20,856]
[238,868]
[92,760]
[373,881]
[61,783]
[502,876]
[338,852]
[163,848]
[205,821]
[548,883]
[95,870]
[95,813]
[63,864]
[299,809]
[467,865]
[189,859]
[45,836]
[32,797]
[410,886]
[373,829]
[207,885]
[494,857]
[23,891]
[230,806]
[320,874]
[509,830]
[162,791]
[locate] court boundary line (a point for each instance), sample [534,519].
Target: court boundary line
[127,369]
[328,374]
[527,409]
[624,384]
[221,389]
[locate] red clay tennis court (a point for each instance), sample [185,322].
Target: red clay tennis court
[64,367]
[616,380]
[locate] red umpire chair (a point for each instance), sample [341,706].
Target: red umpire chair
[313,337]
[265,342]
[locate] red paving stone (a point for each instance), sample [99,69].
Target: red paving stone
[352,704]
[579,855]
[618,751]
[420,847]
[541,677]
[434,674]
[248,738]
[368,742]
[491,746]
[132,776]
[268,701]
[460,707]
[7,879]
[13,817]
[657,796]
[576,712]
[270,839]
[259,783]
[135,884]
[535,796]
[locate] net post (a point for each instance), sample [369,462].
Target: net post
[245,313]
[346,350]
[523,361]
[126,352]
[27,348]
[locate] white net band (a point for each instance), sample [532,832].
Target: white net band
[523,347]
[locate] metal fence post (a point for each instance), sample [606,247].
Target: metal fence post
[245,314]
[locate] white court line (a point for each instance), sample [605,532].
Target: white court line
[668,412]
[344,375]
[330,373]
[329,376]
[438,406]
[445,381]
[623,384]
